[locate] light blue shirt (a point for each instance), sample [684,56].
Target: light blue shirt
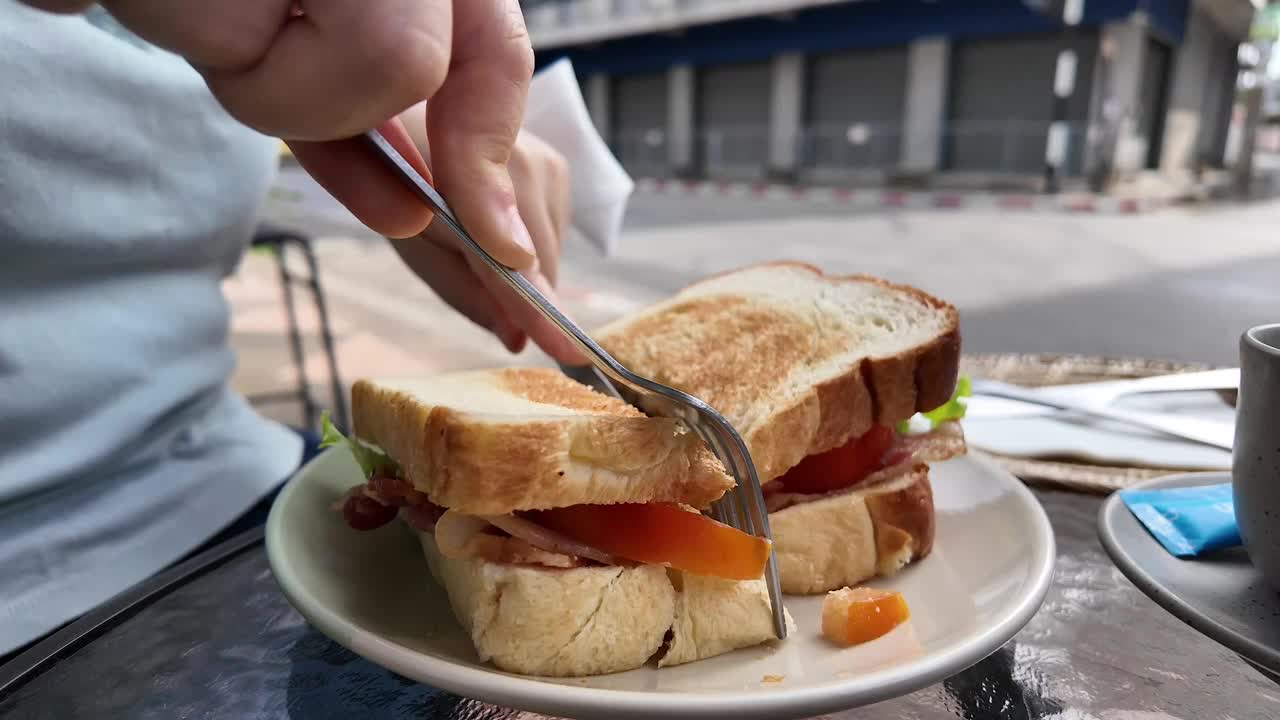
[126,195]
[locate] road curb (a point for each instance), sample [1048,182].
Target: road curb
[875,198]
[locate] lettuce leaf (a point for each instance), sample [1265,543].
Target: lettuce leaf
[370,458]
[953,409]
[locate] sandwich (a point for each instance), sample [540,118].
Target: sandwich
[563,524]
[819,374]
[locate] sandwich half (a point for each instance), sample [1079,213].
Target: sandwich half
[816,372]
[562,523]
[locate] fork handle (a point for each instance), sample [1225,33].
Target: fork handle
[1222,379]
[419,185]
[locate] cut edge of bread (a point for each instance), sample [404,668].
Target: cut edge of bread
[575,622]
[870,391]
[487,463]
[850,537]
[714,616]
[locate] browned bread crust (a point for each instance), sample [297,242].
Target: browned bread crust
[849,537]
[754,361]
[904,521]
[497,441]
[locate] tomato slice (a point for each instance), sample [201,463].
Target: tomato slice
[858,615]
[844,466]
[661,534]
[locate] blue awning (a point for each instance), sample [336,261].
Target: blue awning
[849,26]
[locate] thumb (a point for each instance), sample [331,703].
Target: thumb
[472,124]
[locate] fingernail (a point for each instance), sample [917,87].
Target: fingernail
[520,234]
[511,336]
[515,342]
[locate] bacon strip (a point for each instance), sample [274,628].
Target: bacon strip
[374,504]
[422,517]
[942,443]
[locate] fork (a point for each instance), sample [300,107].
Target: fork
[1104,392]
[743,506]
[1202,432]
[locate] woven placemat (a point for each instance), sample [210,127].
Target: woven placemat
[1042,369]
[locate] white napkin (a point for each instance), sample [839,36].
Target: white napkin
[1017,429]
[600,188]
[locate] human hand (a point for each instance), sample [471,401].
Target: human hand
[317,73]
[541,182]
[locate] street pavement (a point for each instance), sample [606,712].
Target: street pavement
[1175,284]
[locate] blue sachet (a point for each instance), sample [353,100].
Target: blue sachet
[1187,521]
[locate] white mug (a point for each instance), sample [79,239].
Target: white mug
[1255,462]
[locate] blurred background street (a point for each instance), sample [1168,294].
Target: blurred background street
[1179,283]
[1076,175]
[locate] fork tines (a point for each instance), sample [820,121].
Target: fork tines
[743,506]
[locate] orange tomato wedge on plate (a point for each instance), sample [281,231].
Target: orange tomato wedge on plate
[858,615]
[661,534]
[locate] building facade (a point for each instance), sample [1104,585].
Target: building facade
[925,91]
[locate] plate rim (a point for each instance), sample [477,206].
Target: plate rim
[1108,514]
[538,695]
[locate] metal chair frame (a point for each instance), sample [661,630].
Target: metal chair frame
[279,240]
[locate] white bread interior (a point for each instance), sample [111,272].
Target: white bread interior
[798,361]
[557,622]
[492,442]
[715,616]
[850,537]
[597,620]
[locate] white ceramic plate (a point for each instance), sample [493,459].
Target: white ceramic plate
[371,592]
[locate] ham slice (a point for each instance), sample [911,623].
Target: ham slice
[543,539]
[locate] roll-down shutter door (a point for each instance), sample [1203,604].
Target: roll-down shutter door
[733,119]
[639,123]
[855,110]
[1002,101]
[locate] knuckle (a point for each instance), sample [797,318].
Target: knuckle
[239,51]
[520,163]
[518,44]
[522,63]
[419,60]
[557,167]
[516,49]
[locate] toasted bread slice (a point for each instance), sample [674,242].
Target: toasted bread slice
[849,537]
[596,620]
[798,361]
[493,442]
